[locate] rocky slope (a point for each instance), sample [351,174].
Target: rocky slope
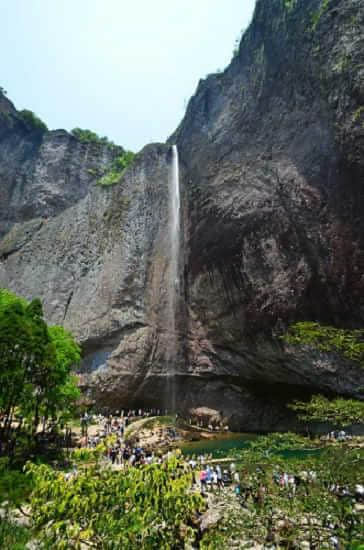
[272,167]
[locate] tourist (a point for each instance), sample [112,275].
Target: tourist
[220,482]
[359,492]
[214,479]
[203,477]
[291,485]
[226,479]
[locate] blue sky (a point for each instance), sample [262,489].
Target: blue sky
[124,69]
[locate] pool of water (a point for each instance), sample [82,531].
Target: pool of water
[220,447]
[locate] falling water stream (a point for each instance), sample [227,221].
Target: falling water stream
[173,284]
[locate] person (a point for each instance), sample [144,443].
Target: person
[220,482]
[359,492]
[113,454]
[226,478]
[341,436]
[203,476]
[214,478]
[291,485]
[260,495]
[208,476]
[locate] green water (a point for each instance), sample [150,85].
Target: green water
[220,447]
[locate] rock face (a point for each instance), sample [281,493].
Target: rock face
[272,166]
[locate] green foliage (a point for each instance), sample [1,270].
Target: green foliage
[35,367]
[290,4]
[358,113]
[33,120]
[274,516]
[88,136]
[315,17]
[279,442]
[12,536]
[348,343]
[15,486]
[118,167]
[147,508]
[339,412]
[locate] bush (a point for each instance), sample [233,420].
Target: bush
[118,167]
[88,136]
[339,412]
[347,343]
[32,120]
[146,508]
[12,536]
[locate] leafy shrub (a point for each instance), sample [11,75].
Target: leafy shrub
[146,508]
[12,536]
[340,411]
[118,167]
[348,343]
[33,120]
[315,17]
[88,136]
[15,486]
[290,4]
[274,515]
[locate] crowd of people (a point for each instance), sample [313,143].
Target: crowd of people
[337,435]
[206,475]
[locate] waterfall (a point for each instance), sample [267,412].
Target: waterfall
[175,221]
[173,282]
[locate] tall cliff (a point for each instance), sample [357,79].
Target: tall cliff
[272,165]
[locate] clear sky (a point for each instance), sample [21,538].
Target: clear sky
[123,68]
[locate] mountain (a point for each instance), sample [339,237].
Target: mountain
[271,174]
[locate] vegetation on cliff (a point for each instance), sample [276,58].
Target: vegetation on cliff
[32,120]
[88,136]
[338,412]
[348,343]
[118,167]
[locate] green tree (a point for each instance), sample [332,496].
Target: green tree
[339,412]
[35,367]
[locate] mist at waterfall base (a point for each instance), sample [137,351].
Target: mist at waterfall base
[173,284]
